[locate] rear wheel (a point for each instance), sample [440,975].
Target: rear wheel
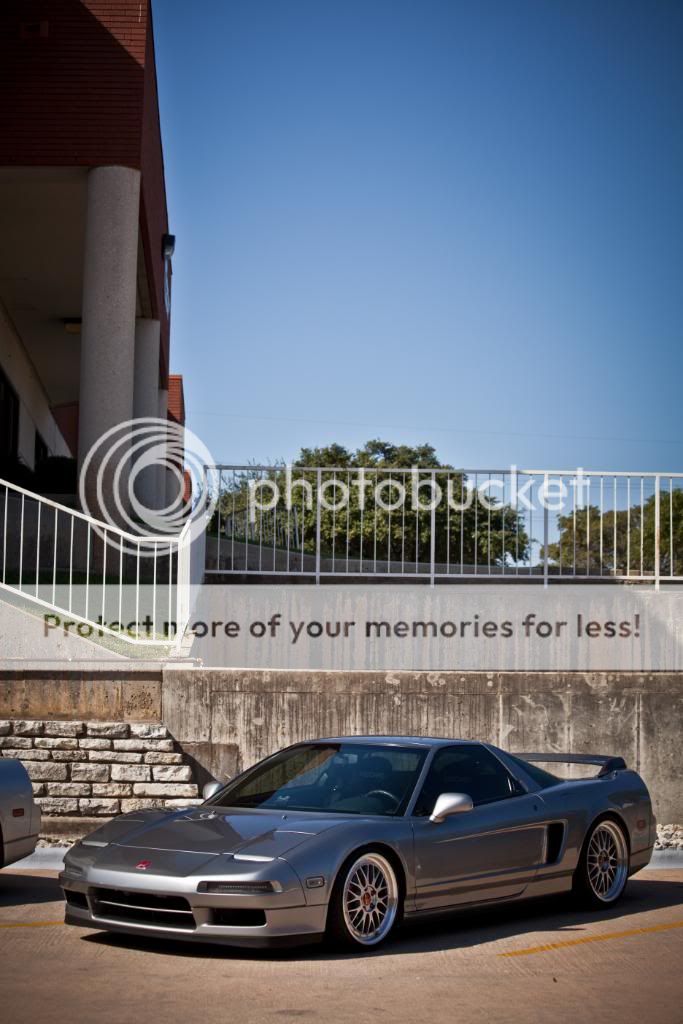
[602,872]
[365,902]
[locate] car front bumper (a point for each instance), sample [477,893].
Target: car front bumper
[640,859]
[173,908]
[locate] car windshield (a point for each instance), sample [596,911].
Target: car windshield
[333,778]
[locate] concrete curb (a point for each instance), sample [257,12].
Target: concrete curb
[45,858]
[667,859]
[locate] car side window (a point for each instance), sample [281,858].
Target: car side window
[467,768]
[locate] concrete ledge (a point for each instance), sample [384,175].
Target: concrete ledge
[65,692]
[663,859]
[58,826]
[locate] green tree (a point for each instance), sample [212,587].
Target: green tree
[621,542]
[670,532]
[361,530]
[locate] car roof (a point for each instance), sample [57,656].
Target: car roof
[418,741]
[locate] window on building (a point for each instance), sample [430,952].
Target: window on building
[9,419]
[40,451]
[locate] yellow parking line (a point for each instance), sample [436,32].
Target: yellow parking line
[548,946]
[30,924]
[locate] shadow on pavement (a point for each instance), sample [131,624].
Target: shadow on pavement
[20,888]
[459,930]
[478,927]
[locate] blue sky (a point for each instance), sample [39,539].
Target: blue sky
[428,221]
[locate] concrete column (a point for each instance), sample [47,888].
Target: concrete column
[108,312]
[146,393]
[146,404]
[171,485]
[163,481]
[162,407]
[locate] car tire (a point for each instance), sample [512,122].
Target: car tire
[602,872]
[366,902]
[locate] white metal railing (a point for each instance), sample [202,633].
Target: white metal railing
[134,587]
[531,524]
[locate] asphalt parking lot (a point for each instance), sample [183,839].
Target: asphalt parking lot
[536,962]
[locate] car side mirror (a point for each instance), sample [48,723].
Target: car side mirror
[211,788]
[450,803]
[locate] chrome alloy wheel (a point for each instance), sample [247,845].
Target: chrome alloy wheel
[370,899]
[607,861]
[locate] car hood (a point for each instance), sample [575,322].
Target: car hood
[213,831]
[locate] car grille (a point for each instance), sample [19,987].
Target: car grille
[142,908]
[76,899]
[236,918]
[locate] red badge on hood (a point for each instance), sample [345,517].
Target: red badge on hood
[143,865]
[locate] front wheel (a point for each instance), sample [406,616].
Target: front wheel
[602,872]
[365,902]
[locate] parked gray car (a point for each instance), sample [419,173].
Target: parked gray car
[19,814]
[345,837]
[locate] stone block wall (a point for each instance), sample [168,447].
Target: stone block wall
[100,769]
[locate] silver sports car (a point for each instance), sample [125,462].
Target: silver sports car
[345,837]
[19,815]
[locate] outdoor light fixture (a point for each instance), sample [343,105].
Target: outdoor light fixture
[167,246]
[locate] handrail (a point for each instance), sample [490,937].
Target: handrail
[109,527]
[135,587]
[577,471]
[360,521]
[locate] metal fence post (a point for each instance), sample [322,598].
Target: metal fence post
[90,536]
[546,530]
[179,588]
[343,530]
[658,510]
[318,506]
[432,532]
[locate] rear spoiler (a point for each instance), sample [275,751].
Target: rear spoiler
[606,763]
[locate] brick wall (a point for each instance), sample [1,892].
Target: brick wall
[154,219]
[72,81]
[78,89]
[91,769]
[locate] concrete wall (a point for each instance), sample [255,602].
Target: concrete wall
[224,720]
[227,719]
[418,628]
[34,408]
